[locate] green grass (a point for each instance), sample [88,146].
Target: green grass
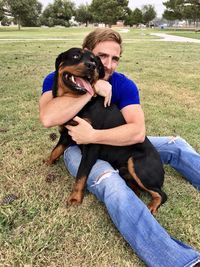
[37,229]
[189,34]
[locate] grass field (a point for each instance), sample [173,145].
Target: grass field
[37,229]
[189,34]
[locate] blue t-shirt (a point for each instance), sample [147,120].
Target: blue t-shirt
[124,91]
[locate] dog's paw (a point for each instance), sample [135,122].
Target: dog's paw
[152,209]
[75,198]
[48,162]
[153,206]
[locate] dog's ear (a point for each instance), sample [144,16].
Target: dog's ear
[58,61]
[55,84]
[100,68]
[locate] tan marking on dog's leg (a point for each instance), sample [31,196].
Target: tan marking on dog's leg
[55,154]
[155,202]
[77,194]
[156,198]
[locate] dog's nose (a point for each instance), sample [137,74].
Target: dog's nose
[90,65]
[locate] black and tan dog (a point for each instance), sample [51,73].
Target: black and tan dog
[139,164]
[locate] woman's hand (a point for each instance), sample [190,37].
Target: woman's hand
[104,88]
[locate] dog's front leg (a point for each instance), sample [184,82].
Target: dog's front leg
[77,194]
[89,156]
[64,141]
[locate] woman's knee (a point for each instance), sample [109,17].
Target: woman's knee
[107,185]
[100,171]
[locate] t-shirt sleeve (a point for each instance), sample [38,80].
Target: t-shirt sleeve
[129,94]
[48,82]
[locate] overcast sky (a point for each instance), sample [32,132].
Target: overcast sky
[132,4]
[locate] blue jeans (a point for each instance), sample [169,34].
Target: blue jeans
[176,152]
[130,215]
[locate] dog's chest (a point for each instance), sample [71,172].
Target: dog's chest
[101,117]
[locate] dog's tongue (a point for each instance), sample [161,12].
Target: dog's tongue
[85,84]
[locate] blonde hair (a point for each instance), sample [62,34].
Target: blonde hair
[101,35]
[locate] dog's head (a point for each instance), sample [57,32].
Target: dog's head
[76,72]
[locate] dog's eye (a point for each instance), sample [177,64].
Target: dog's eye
[92,59]
[76,56]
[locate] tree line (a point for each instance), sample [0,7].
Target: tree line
[30,13]
[182,10]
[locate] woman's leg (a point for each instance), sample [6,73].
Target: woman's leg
[131,216]
[176,152]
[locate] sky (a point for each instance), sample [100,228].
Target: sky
[132,4]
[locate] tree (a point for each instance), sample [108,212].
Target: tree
[109,12]
[83,14]
[174,9]
[47,16]
[58,13]
[23,11]
[4,13]
[128,19]
[63,9]
[191,11]
[1,10]
[33,19]
[182,9]
[134,18]
[148,14]
[137,16]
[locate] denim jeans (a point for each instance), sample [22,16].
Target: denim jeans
[130,215]
[176,152]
